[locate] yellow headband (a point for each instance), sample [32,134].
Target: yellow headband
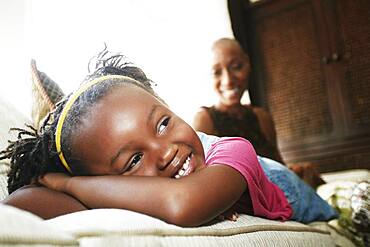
[67,107]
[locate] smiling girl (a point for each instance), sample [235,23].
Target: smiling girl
[114,143]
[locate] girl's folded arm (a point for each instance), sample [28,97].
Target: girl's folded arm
[44,202]
[188,201]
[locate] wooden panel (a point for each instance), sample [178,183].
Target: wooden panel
[354,18]
[321,110]
[294,83]
[356,160]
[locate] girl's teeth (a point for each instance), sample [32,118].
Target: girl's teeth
[185,166]
[181,172]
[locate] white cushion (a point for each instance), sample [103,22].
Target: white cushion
[10,117]
[115,227]
[23,228]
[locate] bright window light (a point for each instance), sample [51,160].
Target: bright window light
[170,40]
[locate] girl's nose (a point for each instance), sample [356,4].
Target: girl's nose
[167,156]
[164,154]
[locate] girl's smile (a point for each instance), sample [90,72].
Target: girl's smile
[131,132]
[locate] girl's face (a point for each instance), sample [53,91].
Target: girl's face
[230,72]
[130,132]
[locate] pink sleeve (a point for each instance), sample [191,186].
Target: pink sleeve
[268,199]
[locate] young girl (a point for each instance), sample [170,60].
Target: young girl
[114,143]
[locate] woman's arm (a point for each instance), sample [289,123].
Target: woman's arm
[188,201]
[202,121]
[44,202]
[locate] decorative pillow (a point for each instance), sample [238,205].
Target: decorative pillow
[46,93]
[10,117]
[350,196]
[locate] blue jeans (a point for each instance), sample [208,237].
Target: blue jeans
[307,205]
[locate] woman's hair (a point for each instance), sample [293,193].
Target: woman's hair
[230,42]
[34,152]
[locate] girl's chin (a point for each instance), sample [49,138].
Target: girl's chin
[195,165]
[199,167]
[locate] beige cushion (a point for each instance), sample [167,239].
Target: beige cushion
[45,94]
[10,117]
[353,175]
[115,227]
[23,228]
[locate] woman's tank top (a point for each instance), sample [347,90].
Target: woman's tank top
[246,126]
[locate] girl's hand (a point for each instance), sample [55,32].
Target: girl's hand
[55,181]
[229,214]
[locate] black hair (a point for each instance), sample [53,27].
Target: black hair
[34,152]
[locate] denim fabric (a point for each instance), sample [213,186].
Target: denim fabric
[307,205]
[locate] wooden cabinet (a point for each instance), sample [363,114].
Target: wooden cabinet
[311,61]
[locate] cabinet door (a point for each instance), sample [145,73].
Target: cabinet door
[312,82]
[353,59]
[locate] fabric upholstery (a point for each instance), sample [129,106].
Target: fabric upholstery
[23,228]
[349,193]
[10,117]
[115,227]
[45,94]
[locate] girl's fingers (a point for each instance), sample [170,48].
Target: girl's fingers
[229,216]
[233,217]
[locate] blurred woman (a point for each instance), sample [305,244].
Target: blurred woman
[230,117]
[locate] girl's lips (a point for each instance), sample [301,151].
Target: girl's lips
[186,168]
[191,166]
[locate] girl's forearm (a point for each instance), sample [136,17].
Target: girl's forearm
[163,198]
[142,194]
[188,201]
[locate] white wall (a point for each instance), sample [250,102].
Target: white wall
[14,69]
[169,39]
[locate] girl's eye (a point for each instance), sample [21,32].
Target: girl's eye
[135,160]
[162,126]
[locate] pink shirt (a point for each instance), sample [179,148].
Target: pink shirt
[268,200]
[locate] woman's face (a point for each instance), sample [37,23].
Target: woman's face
[230,72]
[130,132]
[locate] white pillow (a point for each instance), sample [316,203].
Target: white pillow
[10,117]
[22,228]
[118,227]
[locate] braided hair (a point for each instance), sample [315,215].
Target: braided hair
[34,153]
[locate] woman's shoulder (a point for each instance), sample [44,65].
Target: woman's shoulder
[205,110]
[203,121]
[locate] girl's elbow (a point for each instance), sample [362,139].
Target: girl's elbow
[184,219]
[183,213]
